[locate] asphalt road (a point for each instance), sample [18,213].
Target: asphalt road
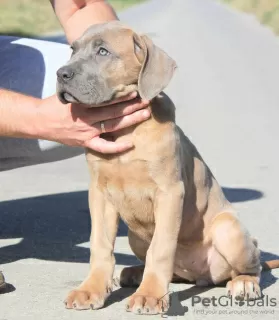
[226,93]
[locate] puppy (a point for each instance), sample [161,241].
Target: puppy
[180,223]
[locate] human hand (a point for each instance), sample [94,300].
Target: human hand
[77,125]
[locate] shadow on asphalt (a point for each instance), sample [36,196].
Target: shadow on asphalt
[267,278]
[52,226]
[119,295]
[242,194]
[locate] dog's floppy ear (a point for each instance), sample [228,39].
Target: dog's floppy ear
[157,69]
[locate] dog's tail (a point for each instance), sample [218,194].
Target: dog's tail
[269,265]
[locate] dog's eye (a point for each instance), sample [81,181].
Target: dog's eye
[103,52]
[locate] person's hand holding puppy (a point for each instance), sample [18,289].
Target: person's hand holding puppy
[28,117]
[79,125]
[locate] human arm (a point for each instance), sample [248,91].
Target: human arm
[76,16]
[75,125]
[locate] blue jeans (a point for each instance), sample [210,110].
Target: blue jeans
[29,66]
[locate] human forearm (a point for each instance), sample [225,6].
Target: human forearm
[76,16]
[17,114]
[27,117]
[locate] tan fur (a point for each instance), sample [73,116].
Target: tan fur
[179,221]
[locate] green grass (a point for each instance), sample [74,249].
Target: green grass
[267,11]
[36,17]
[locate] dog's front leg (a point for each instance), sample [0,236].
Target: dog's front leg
[94,290]
[152,295]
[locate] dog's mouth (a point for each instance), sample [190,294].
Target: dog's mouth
[66,97]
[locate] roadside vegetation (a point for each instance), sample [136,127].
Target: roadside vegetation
[267,11]
[35,17]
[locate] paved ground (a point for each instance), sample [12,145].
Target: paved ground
[226,91]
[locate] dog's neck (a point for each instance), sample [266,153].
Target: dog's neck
[162,111]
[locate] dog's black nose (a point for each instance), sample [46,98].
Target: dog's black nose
[65,73]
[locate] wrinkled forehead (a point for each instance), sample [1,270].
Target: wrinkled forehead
[113,34]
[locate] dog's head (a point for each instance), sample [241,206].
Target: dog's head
[108,60]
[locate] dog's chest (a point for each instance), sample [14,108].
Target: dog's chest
[130,188]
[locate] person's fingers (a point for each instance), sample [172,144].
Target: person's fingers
[101,145]
[117,111]
[130,96]
[123,122]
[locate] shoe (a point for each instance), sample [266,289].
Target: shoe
[2,281]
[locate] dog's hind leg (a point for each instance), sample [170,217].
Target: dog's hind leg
[132,276]
[235,244]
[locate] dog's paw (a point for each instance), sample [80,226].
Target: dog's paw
[244,288]
[144,304]
[131,276]
[84,299]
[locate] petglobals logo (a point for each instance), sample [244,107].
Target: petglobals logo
[227,305]
[225,301]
